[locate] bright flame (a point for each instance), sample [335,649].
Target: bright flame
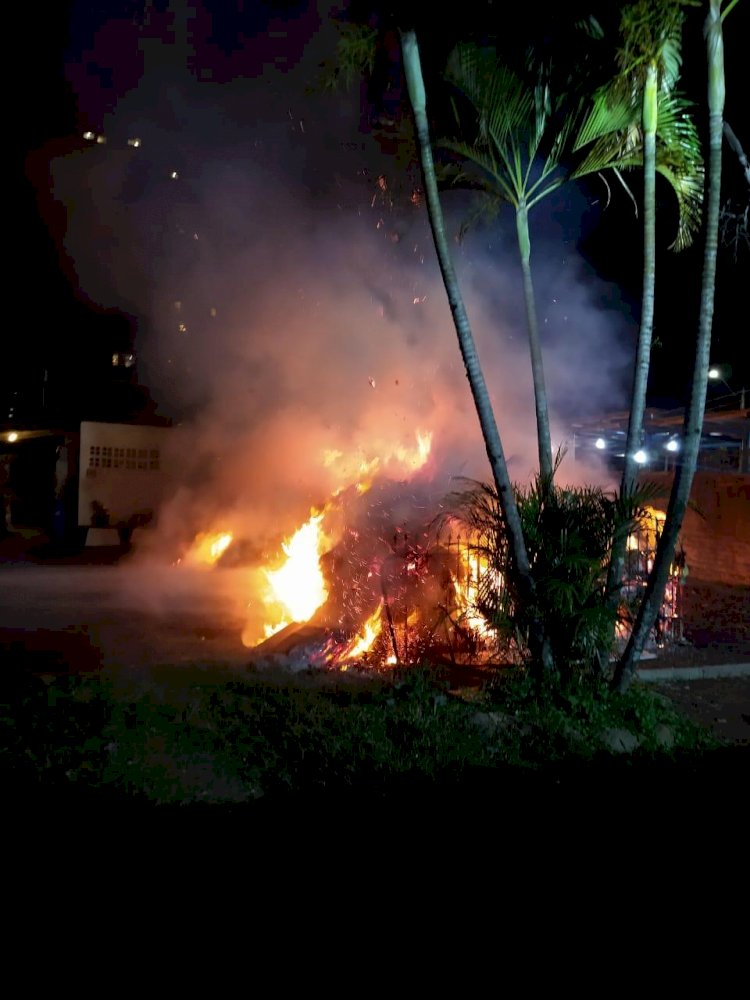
[209,547]
[363,469]
[415,458]
[298,587]
[475,566]
[363,641]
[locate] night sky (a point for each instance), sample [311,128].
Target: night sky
[113,236]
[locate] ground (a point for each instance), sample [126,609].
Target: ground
[86,611]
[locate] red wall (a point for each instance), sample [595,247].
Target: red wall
[717,543]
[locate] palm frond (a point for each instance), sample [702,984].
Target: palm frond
[504,105]
[486,167]
[618,144]
[610,113]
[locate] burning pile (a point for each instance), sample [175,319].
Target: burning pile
[363,578]
[366,579]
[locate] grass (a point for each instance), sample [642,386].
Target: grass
[182,736]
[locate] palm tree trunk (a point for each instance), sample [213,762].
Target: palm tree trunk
[535,348]
[693,424]
[524,580]
[645,332]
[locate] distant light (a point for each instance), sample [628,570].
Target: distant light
[673,445]
[640,457]
[13,436]
[89,135]
[101,139]
[714,373]
[135,143]
[126,360]
[174,175]
[600,443]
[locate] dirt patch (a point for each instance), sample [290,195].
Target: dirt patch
[721,705]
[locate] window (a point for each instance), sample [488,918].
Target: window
[109,457]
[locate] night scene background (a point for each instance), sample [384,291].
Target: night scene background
[209,235]
[222,266]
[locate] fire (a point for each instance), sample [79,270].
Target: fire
[362,642]
[475,566]
[415,458]
[297,588]
[361,471]
[208,547]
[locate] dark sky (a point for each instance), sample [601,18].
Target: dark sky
[110,240]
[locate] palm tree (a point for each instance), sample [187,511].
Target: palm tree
[511,121]
[649,64]
[504,160]
[693,423]
[506,498]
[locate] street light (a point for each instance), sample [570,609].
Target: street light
[641,457]
[720,373]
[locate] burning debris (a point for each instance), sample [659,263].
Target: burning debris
[372,579]
[639,561]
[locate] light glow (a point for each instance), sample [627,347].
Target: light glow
[208,547]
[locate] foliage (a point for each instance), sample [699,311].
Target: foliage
[356,49]
[574,714]
[569,532]
[203,735]
[612,138]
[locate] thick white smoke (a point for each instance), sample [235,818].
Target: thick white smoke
[291,311]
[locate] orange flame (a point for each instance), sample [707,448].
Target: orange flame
[297,588]
[363,641]
[362,470]
[208,547]
[466,586]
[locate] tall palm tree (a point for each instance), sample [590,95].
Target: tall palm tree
[649,65]
[693,423]
[520,147]
[519,559]
[511,121]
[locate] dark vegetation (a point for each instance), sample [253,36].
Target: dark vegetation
[262,744]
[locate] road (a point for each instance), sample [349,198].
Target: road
[128,614]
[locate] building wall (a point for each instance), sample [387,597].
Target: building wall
[122,469]
[716,535]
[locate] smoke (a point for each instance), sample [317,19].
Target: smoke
[293,315]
